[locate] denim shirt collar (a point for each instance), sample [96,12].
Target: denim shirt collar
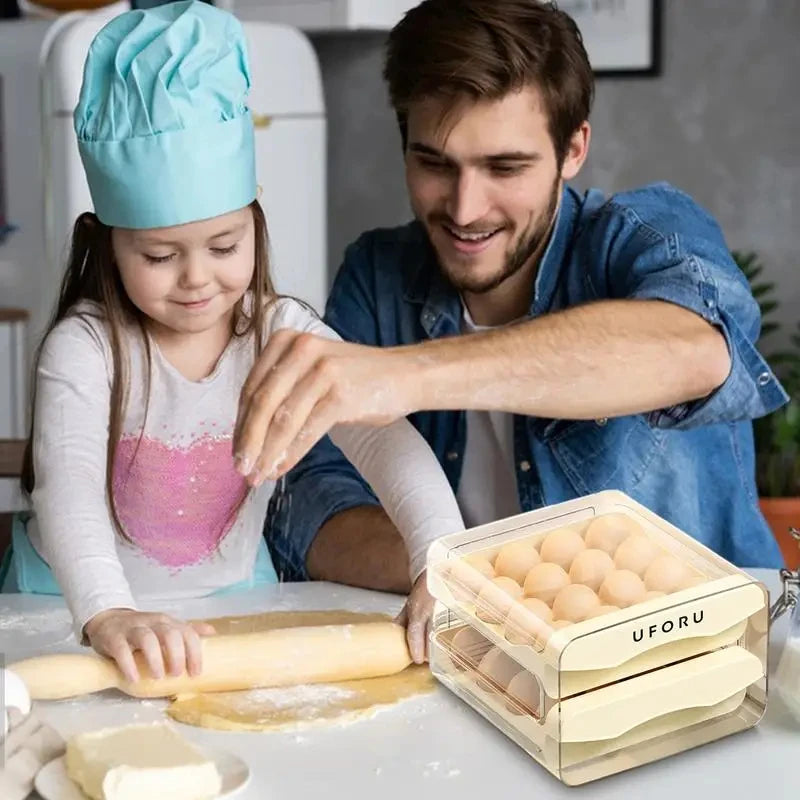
[425,286]
[441,305]
[554,256]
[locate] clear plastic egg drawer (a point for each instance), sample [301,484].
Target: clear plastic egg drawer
[597,636]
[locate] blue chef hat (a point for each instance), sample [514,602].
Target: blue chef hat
[164,131]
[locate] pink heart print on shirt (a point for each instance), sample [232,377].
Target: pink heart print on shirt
[177,503]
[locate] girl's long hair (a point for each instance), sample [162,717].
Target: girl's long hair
[92,276]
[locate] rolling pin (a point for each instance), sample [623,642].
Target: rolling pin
[231,662]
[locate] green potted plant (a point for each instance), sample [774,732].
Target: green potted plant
[777,436]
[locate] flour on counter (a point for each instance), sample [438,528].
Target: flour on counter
[436,767]
[35,632]
[35,622]
[312,697]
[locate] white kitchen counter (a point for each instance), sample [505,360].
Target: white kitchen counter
[432,747]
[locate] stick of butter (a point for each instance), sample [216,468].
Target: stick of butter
[143,760]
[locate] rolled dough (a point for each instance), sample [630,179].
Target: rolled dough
[297,707]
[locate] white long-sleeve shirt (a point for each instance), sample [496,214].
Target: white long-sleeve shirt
[193,527]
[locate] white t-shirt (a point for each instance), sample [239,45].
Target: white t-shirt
[488,487]
[194,527]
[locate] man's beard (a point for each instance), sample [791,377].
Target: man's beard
[530,244]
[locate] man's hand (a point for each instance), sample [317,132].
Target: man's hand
[301,386]
[417,615]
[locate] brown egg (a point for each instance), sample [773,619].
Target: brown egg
[665,574]
[515,560]
[654,595]
[561,623]
[479,561]
[561,546]
[524,694]
[635,554]
[469,647]
[528,622]
[468,576]
[590,567]
[694,580]
[545,581]
[495,671]
[600,611]
[494,601]
[608,531]
[574,602]
[622,588]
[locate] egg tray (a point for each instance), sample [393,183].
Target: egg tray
[614,727]
[592,691]
[707,604]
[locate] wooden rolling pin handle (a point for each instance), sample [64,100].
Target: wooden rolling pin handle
[65,675]
[284,657]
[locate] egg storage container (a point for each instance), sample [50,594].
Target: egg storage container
[597,636]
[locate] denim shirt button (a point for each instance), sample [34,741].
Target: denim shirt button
[452,456]
[602,422]
[764,378]
[525,466]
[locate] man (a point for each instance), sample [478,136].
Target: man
[546,344]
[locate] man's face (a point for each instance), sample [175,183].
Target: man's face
[486,184]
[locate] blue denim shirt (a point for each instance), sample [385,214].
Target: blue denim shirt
[692,464]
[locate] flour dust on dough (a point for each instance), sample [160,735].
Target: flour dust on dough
[297,707]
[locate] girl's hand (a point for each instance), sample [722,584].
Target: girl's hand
[164,642]
[417,616]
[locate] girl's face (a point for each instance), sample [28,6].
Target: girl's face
[188,278]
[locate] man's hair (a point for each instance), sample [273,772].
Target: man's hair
[484,49]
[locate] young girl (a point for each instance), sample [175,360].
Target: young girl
[164,307]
